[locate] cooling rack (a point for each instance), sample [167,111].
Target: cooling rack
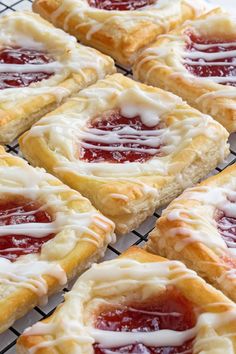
[136,237]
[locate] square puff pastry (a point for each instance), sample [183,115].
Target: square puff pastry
[136,276]
[198,229]
[74,67]
[81,235]
[163,64]
[120,34]
[191,144]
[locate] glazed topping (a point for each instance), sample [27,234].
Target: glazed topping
[211,58]
[120,5]
[227,228]
[19,67]
[170,310]
[118,139]
[135,321]
[14,213]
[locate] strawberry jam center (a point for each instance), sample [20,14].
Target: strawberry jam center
[14,213]
[227,228]
[215,59]
[119,139]
[22,56]
[120,5]
[171,310]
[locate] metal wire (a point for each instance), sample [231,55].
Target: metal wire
[137,237]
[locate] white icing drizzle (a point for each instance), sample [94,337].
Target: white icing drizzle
[159,338]
[152,107]
[172,53]
[134,101]
[229,94]
[122,136]
[161,13]
[202,46]
[58,92]
[31,68]
[165,53]
[28,30]
[204,63]
[209,57]
[69,54]
[200,224]
[126,276]
[30,275]
[32,183]
[68,225]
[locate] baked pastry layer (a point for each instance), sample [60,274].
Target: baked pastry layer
[72,67]
[81,235]
[135,277]
[196,62]
[120,34]
[181,145]
[198,228]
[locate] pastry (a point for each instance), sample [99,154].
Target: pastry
[39,67]
[48,234]
[118,28]
[197,62]
[137,303]
[126,146]
[199,228]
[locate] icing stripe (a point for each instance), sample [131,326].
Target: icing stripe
[126,276]
[120,148]
[27,68]
[159,338]
[30,275]
[200,46]
[212,63]
[210,56]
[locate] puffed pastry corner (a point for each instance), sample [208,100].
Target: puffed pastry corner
[119,29]
[49,233]
[128,147]
[110,307]
[196,62]
[198,228]
[40,66]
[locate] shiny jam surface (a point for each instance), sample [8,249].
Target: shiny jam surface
[171,310]
[227,228]
[125,148]
[223,67]
[120,5]
[22,56]
[13,213]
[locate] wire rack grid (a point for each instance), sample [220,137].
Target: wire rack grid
[137,237]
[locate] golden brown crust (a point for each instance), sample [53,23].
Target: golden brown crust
[22,107]
[14,303]
[194,289]
[176,237]
[201,295]
[120,34]
[126,200]
[166,71]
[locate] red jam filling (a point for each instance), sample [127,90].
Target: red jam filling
[171,310]
[211,67]
[13,213]
[227,228]
[121,140]
[120,5]
[22,56]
